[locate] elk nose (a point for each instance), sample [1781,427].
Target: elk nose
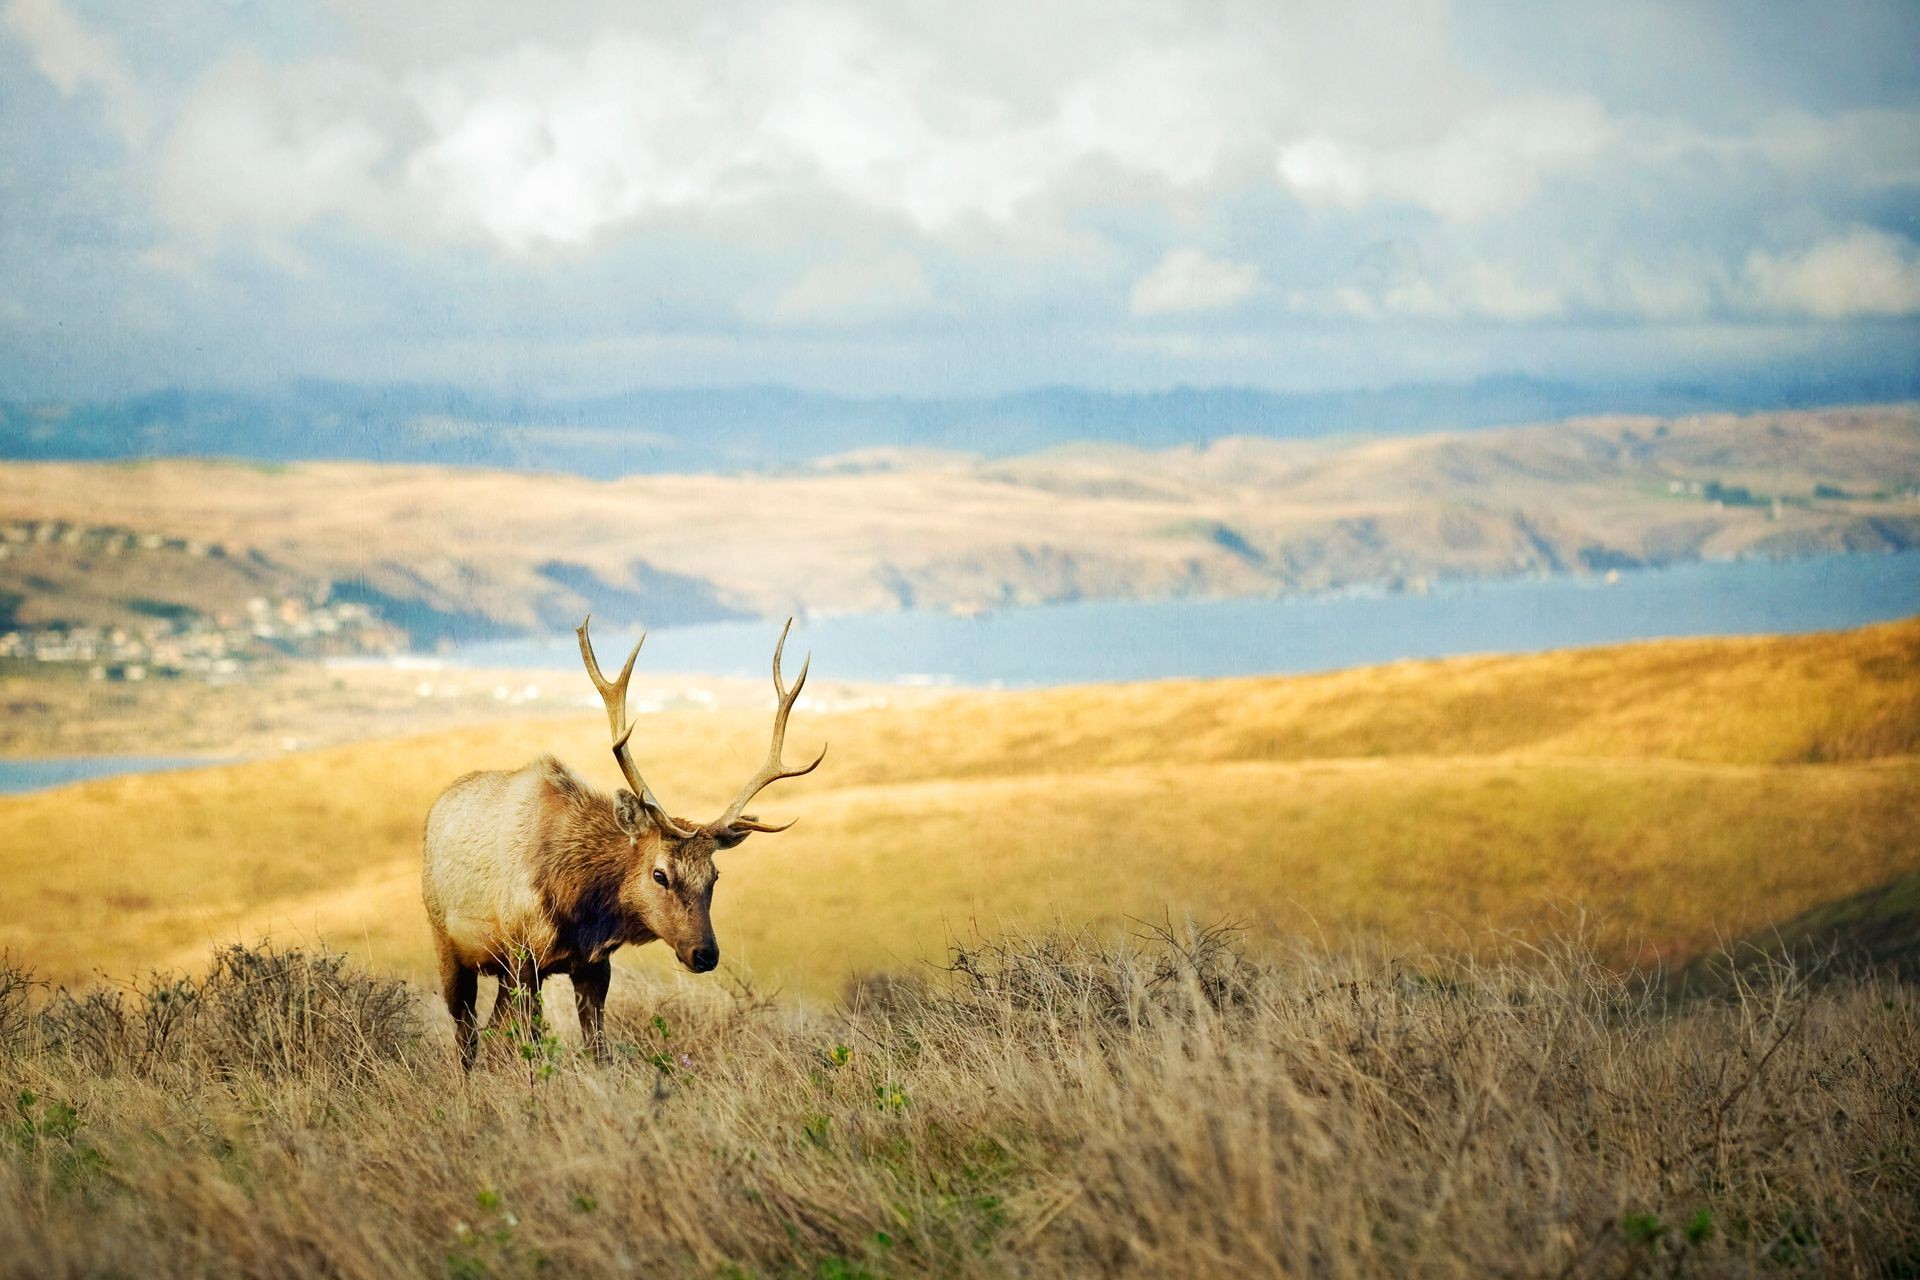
[705,958]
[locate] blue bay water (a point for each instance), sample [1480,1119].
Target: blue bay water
[1091,642]
[1105,641]
[56,771]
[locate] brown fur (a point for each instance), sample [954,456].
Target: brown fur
[590,882]
[531,872]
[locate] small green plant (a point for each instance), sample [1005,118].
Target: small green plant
[38,1122]
[1643,1228]
[889,1096]
[1648,1231]
[541,1053]
[663,1058]
[50,1129]
[493,1246]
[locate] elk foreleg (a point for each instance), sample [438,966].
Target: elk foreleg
[590,983]
[518,999]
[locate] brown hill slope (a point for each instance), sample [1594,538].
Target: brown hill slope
[1678,793]
[1237,517]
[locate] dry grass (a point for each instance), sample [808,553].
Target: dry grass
[257,1010]
[1066,1104]
[1680,792]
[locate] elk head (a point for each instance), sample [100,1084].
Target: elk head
[670,888]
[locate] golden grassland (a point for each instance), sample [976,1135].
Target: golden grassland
[1061,1105]
[1676,793]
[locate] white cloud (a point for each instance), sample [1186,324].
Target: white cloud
[1322,171]
[1865,272]
[1857,272]
[435,125]
[855,291]
[262,149]
[1155,112]
[755,189]
[538,145]
[1485,162]
[1189,280]
[74,57]
[553,143]
[1469,290]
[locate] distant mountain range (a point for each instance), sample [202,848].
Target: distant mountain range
[687,430]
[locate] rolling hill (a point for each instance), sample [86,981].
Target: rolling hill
[1674,794]
[451,553]
[700,429]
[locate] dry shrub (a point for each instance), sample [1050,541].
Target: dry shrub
[1061,1104]
[1163,971]
[884,994]
[16,985]
[114,1031]
[258,1011]
[279,1012]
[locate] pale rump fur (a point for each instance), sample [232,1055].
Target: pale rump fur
[531,872]
[477,882]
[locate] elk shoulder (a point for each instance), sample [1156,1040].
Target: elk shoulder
[527,858]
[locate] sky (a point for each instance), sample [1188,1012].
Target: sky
[931,200]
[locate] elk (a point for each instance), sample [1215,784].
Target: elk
[531,872]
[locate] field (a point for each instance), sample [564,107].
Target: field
[1675,795]
[964,1025]
[1056,1106]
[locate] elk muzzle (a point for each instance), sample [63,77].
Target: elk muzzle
[702,958]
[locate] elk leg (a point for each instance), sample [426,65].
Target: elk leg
[590,983]
[502,1001]
[518,999]
[461,987]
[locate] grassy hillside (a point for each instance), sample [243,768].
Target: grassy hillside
[1060,1106]
[1677,793]
[437,548]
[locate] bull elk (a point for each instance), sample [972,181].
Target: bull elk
[531,872]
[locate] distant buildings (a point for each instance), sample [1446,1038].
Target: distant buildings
[161,639]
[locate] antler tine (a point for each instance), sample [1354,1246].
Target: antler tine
[613,693]
[774,770]
[747,822]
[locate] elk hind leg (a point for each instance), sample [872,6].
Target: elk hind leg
[461,987]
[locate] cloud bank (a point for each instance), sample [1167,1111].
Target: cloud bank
[627,177]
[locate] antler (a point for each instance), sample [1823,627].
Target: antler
[614,694]
[773,770]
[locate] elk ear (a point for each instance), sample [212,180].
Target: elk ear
[631,814]
[728,837]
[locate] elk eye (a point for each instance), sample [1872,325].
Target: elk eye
[660,877]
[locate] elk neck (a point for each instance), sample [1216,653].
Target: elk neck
[582,868]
